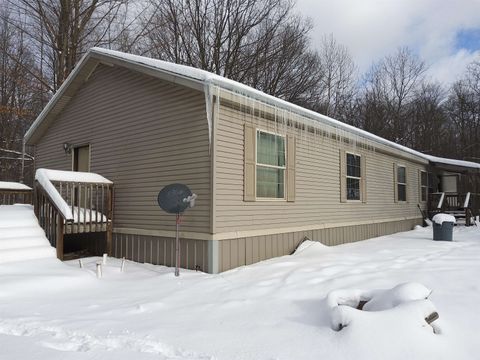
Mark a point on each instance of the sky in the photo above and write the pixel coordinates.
(444, 33)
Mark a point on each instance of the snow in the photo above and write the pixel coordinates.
(81, 215)
(276, 309)
(441, 218)
(43, 177)
(7, 185)
(21, 238)
(461, 163)
(71, 176)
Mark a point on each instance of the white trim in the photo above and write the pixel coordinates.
(284, 168)
(423, 186)
(258, 232)
(353, 177)
(400, 183)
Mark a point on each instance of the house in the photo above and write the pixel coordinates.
(267, 173)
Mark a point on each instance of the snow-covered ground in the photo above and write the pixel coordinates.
(277, 309)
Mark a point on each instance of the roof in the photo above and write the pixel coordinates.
(201, 80)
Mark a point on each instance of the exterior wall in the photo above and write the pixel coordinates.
(245, 251)
(317, 191)
(143, 133)
(161, 250)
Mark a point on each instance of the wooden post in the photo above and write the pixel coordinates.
(109, 220)
(59, 243)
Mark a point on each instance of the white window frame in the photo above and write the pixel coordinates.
(353, 177)
(423, 188)
(284, 168)
(404, 184)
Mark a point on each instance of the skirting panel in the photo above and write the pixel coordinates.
(228, 254)
(161, 250)
(249, 250)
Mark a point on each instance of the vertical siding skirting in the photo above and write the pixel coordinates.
(161, 251)
(216, 256)
(244, 251)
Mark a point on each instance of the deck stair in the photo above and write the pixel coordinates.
(21, 237)
(65, 203)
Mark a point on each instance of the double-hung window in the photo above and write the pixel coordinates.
(270, 165)
(423, 185)
(354, 176)
(401, 183)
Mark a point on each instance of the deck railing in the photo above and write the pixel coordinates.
(11, 196)
(461, 205)
(15, 193)
(75, 208)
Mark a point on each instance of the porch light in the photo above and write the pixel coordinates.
(67, 148)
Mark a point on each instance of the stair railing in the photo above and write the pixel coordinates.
(52, 216)
(15, 196)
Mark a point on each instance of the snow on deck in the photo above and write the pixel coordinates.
(9, 185)
(276, 309)
(21, 238)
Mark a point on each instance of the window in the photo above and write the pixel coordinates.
(270, 165)
(353, 176)
(402, 183)
(423, 185)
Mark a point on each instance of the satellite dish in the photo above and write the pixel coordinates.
(176, 198)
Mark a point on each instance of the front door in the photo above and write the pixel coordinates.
(81, 162)
(81, 158)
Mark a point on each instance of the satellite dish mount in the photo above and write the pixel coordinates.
(175, 199)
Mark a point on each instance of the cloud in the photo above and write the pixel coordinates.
(372, 29)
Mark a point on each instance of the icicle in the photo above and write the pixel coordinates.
(208, 108)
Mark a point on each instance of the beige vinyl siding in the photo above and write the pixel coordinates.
(143, 133)
(317, 193)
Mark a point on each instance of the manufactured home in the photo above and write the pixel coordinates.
(267, 173)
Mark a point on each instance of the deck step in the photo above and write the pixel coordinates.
(15, 242)
(17, 232)
(27, 253)
(21, 237)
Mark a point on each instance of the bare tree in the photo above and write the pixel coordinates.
(20, 96)
(432, 129)
(338, 81)
(391, 85)
(257, 42)
(61, 31)
(463, 109)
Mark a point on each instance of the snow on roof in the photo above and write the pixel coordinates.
(209, 79)
(7, 185)
(454, 162)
